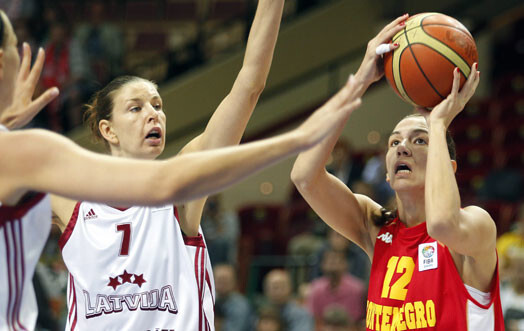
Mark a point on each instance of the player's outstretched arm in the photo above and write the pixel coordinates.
(330, 198)
(47, 162)
(24, 108)
(228, 122)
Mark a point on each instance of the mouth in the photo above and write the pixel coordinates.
(154, 135)
(402, 168)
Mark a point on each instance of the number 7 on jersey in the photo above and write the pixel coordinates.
(126, 238)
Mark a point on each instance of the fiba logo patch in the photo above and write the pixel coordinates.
(428, 251)
(427, 256)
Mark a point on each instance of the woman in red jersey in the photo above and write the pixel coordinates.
(41, 161)
(434, 264)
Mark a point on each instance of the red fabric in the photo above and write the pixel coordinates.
(438, 294)
(11, 213)
(56, 66)
(69, 228)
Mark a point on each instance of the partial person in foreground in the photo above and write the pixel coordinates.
(35, 161)
(434, 263)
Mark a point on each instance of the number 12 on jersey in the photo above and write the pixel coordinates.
(401, 265)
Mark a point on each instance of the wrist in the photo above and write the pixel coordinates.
(437, 125)
(361, 83)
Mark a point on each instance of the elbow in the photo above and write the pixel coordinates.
(252, 82)
(441, 226)
(301, 179)
(255, 90)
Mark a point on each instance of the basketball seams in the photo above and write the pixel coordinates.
(420, 68)
(397, 75)
(398, 35)
(444, 56)
(462, 66)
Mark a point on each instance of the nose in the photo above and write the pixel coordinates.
(403, 149)
(152, 114)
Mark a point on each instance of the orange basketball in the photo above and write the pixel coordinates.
(430, 46)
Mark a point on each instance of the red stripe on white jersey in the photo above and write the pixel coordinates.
(69, 228)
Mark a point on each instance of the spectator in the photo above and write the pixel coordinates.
(102, 43)
(512, 292)
(269, 320)
(374, 174)
(357, 261)
(234, 306)
(336, 288)
(342, 165)
(502, 182)
(511, 240)
(222, 229)
(278, 291)
(337, 319)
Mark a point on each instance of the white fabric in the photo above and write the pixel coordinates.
(482, 297)
(478, 317)
(169, 297)
(3, 128)
(27, 235)
(383, 49)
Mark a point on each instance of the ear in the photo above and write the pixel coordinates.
(387, 177)
(1, 64)
(106, 130)
(454, 165)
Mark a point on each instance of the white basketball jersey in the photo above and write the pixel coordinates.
(132, 269)
(24, 229)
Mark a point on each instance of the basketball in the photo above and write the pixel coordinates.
(431, 45)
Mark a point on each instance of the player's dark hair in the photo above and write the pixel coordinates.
(100, 107)
(2, 28)
(388, 215)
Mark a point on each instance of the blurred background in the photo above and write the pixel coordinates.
(272, 255)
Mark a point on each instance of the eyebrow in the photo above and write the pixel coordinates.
(416, 131)
(138, 99)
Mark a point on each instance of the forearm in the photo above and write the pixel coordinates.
(312, 163)
(209, 172)
(262, 39)
(228, 123)
(441, 191)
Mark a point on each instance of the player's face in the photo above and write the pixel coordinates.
(407, 154)
(138, 121)
(10, 61)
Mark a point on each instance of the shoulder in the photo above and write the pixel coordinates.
(480, 217)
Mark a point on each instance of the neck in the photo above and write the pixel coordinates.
(334, 281)
(411, 207)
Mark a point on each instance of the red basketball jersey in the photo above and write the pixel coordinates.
(414, 285)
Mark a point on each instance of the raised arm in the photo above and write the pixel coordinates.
(460, 229)
(347, 213)
(41, 161)
(329, 197)
(229, 120)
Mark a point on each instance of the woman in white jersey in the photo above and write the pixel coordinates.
(434, 264)
(40, 161)
(127, 115)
